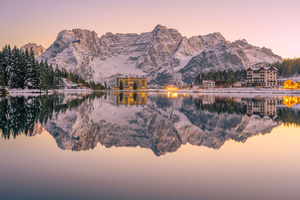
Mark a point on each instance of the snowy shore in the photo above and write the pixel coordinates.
(233, 90)
(206, 91)
(35, 91)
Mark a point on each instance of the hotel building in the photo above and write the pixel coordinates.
(264, 77)
(128, 82)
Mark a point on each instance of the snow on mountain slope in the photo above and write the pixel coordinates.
(163, 55)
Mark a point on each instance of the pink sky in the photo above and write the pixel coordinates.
(273, 24)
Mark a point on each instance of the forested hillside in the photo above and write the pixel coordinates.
(20, 70)
(289, 67)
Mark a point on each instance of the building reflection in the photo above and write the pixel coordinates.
(131, 98)
(262, 107)
(290, 101)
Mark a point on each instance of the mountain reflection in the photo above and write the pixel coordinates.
(160, 122)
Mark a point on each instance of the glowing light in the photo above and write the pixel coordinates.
(290, 101)
(172, 88)
(175, 95)
(172, 94)
(289, 84)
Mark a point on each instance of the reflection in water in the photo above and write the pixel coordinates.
(262, 107)
(131, 98)
(290, 101)
(167, 122)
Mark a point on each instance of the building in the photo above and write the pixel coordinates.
(128, 82)
(262, 107)
(208, 100)
(289, 84)
(281, 81)
(290, 101)
(131, 98)
(208, 84)
(221, 84)
(263, 77)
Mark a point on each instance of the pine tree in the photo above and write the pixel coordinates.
(51, 78)
(46, 77)
(58, 80)
(6, 62)
(17, 69)
(79, 81)
(69, 77)
(28, 68)
(134, 85)
(121, 85)
(2, 80)
(35, 74)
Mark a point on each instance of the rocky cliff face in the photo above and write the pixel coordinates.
(162, 126)
(37, 50)
(163, 55)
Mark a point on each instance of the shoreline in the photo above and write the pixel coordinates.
(254, 91)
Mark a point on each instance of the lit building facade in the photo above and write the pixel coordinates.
(290, 101)
(289, 84)
(128, 82)
(264, 76)
(131, 98)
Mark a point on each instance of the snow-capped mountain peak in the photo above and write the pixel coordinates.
(163, 55)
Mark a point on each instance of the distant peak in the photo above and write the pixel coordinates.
(243, 41)
(37, 49)
(159, 27)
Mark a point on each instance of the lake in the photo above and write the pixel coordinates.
(150, 146)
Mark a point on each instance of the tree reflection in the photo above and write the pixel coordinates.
(19, 114)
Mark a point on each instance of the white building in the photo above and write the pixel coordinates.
(208, 84)
(264, 76)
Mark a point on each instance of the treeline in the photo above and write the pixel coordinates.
(224, 106)
(289, 67)
(230, 76)
(70, 76)
(20, 70)
(18, 115)
(288, 116)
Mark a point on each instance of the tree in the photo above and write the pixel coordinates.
(134, 97)
(51, 78)
(197, 79)
(79, 81)
(134, 85)
(69, 77)
(31, 76)
(2, 80)
(58, 80)
(6, 58)
(18, 72)
(121, 85)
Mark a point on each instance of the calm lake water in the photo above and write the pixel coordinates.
(150, 146)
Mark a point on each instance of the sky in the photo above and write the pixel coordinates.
(265, 23)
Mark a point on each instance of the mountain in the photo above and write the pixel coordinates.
(37, 50)
(163, 55)
(163, 125)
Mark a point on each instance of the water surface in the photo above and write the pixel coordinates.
(149, 146)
